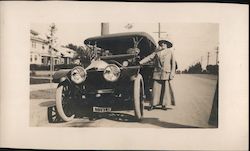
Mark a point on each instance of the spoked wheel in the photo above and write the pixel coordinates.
(53, 115)
(64, 103)
(138, 97)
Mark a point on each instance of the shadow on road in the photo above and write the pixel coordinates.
(213, 119)
(47, 104)
(157, 108)
(81, 113)
(120, 117)
(157, 122)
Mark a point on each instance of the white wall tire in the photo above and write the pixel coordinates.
(138, 99)
(62, 100)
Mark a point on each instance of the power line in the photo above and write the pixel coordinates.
(217, 55)
(51, 38)
(159, 31)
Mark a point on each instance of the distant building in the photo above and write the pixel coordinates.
(67, 55)
(40, 53)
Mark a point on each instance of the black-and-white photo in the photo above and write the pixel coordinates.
(156, 75)
(124, 75)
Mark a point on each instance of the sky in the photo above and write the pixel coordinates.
(191, 41)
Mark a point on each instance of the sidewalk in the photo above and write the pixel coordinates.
(45, 86)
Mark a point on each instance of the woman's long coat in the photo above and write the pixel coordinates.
(164, 65)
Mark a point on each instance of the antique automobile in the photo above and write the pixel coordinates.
(113, 75)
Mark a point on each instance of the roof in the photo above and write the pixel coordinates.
(66, 52)
(34, 32)
(37, 37)
(121, 42)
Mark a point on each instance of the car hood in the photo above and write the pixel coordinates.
(98, 65)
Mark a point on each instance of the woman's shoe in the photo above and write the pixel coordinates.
(164, 107)
(150, 108)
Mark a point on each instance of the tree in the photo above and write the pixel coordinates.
(51, 35)
(212, 69)
(195, 68)
(83, 54)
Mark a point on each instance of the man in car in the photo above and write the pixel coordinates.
(164, 71)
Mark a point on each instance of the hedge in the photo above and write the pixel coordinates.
(35, 67)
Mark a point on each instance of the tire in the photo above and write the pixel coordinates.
(64, 102)
(138, 99)
(53, 116)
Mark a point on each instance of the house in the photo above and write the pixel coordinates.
(67, 55)
(40, 52)
(38, 49)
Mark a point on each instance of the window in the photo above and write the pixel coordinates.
(43, 61)
(30, 58)
(33, 44)
(35, 57)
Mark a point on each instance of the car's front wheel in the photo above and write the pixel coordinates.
(138, 97)
(64, 104)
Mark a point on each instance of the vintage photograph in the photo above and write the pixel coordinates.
(112, 74)
(124, 76)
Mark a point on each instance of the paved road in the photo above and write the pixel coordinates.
(194, 96)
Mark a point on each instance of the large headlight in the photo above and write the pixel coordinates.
(78, 74)
(112, 72)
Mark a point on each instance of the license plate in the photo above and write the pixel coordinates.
(101, 109)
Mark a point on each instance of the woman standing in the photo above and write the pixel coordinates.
(164, 71)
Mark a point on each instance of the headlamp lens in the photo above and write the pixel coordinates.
(78, 74)
(112, 72)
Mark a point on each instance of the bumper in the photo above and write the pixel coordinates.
(105, 91)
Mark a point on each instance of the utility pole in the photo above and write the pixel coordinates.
(51, 40)
(208, 58)
(217, 56)
(159, 31)
(201, 62)
(104, 28)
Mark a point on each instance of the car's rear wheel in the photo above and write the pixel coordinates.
(138, 97)
(64, 104)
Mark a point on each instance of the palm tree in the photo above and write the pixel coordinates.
(82, 53)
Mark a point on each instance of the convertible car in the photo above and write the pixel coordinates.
(113, 75)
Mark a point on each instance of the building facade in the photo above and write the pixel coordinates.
(40, 52)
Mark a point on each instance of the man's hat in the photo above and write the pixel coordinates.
(169, 44)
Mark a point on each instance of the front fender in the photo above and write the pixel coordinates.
(59, 74)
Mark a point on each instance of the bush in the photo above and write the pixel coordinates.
(39, 67)
(38, 81)
(195, 68)
(35, 67)
(64, 66)
(213, 69)
(32, 73)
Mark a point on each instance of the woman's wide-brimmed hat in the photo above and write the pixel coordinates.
(169, 44)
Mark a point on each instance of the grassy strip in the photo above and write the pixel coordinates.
(43, 94)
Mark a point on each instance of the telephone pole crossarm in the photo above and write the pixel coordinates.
(159, 31)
